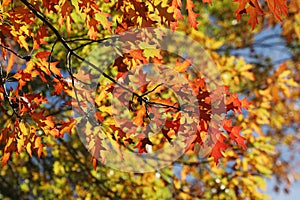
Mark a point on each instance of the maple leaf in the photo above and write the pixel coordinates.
(235, 136)
(95, 162)
(38, 145)
(43, 55)
(97, 147)
(241, 7)
(254, 12)
(164, 13)
(39, 38)
(10, 63)
(245, 103)
(182, 66)
(28, 149)
(67, 126)
(227, 125)
(138, 55)
(141, 146)
(278, 7)
(192, 17)
(176, 8)
(218, 148)
(140, 114)
(207, 1)
(5, 158)
(6, 2)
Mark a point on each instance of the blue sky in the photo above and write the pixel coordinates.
(277, 53)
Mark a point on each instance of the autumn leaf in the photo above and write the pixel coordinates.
(235, 136)
(10, 63)
(182, 66)
(219, 148)
(176, 8)
(67, 127)
(43, 55)
(278, 7)
(141, 146)
(207, 1)
(191, 14)
(5, 158)
(254, 12)
(164, 13)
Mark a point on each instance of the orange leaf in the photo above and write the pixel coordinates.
(67, 127)
(235, 136)
(141, 146)
(254, 12)
(43, 55)
(94, 162)
(6, 2)
(138, 120)
(138, 54)
(278, 7)
(227, 125)
(207, 1)
(10, 63)
(253, 9)
(4, 53)
(218, 148)
(182, 66)
(5, 158)
(191, 15)
(40, 151)
(176, 5)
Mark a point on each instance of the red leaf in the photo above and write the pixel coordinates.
(253, 9)
(141, 146)
(94, 162)
(278, 7)
(254, 12)
(207, 1)
(191, 15)
(245, 103)
(218, 148)
(235, 136)
(40, 36)
(42, 55)
(176, 5)
(227, 125)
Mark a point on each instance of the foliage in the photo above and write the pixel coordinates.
(44, 44)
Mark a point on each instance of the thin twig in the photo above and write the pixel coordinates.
(6, 96)
(26, 58)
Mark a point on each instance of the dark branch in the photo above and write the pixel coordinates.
(26, 58)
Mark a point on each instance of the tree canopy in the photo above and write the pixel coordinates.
(149, 99)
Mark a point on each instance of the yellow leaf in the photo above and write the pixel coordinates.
(23, 128)
(20, 143)
(22, 42)
(28, 148)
